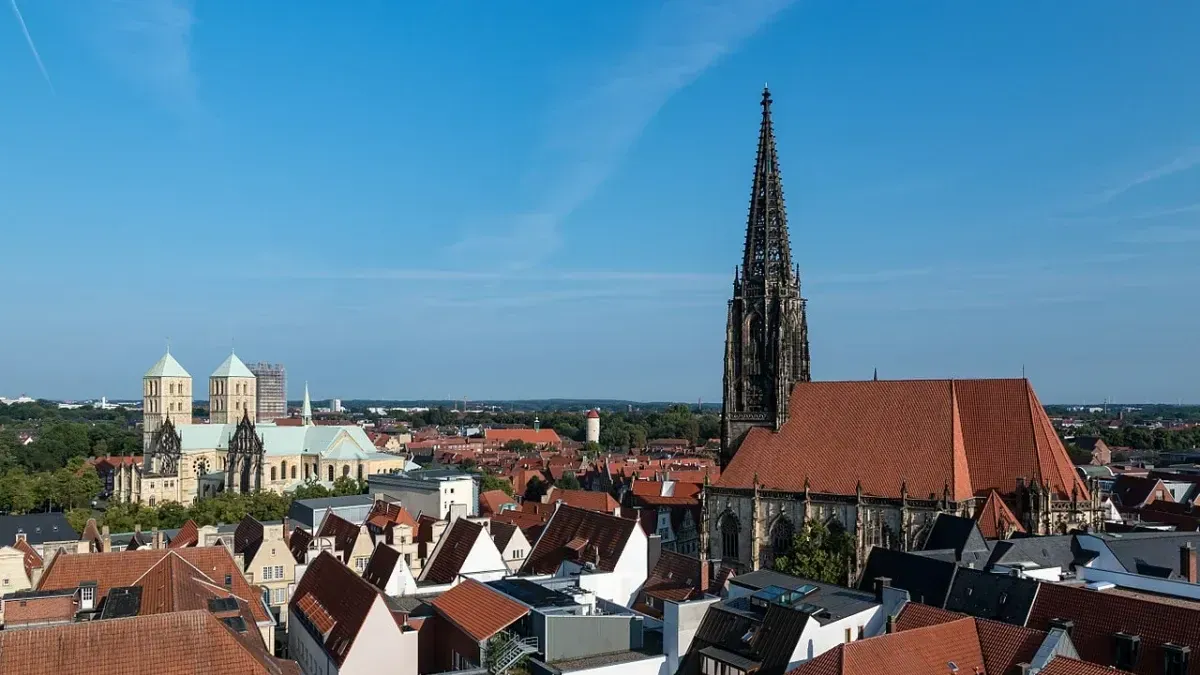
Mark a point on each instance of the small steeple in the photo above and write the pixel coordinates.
(875, 377)
(306, 409)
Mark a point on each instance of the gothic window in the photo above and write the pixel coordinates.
(171, 388)
(346, 470)
(294, 472)
(782, 534)
(283, 470)
(330, 473)
(729, 536)
(274, 475)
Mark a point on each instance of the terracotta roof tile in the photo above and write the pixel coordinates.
(211, 564)
(335, 601)
(914, 652)
(604, 536)
(384, 513)
(530, 523)
(996, 520)
(1099, 615)
(32, 559)
(534, 436)
(969, 436)
(502, 533)
(584, 499)
(165, 644)
(493, 501)
(676, 577)
(451, 552)
(478, 610)
(1002, 645)
(1061, 665)
(188, 535)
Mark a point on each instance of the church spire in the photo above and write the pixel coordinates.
(306, 409)
(767, 260)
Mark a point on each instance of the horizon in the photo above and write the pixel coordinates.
(511, 203)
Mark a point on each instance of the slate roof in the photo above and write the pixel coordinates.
(344, 533)
(478, 610)
(336, 601)
(1099, 615)
(956, 533)
(1050, 551)
(380, 566)
(38, 528)
(298, 541)
(995, 518)
(967, 436)
(451, 552)
(987, 595)
(838, 602)
(165, 644)
(209, 564)
(1151, 553)
(604, 537)
(926, 579)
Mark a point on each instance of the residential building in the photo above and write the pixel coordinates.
(468, 617)
(200, 640)
(45, 533)
(607, 554)
(352, 544)
(670, 509)
(465, 550)
(270, 380)
(584, 499)
(391, 524)
(511, 541)
(267, 561)
(495, 501)
(439, 493)
(1094, 445)
(388, 572)
(343, 625)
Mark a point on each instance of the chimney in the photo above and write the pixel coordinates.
(157, 539)
(105, 539)
(653, 552)
(1023, 669)
(1187, 562)
(891, 624)
(880, 584)
(705, 576)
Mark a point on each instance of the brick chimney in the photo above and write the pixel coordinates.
(705, 575)
(105, 539)
(1187, 562)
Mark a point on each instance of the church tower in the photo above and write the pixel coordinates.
(231, 393)
(166, 395)
(766, 335)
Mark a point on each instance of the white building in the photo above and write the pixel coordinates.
(443, 494)
(592, 434)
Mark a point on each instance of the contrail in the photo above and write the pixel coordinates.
(32, 47)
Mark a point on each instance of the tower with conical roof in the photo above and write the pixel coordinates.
(166, 395)
(766, 336)
(232, 393)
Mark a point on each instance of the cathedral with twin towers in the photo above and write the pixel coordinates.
(877, 459)
(185, 458)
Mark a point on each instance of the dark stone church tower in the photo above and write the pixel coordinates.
(766, 338)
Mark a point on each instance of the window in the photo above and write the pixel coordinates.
(273, 476)
(848, 635)
(1175, 659)
(360, 564)
(268, 573)
(294, 472)
(360, 472)
(729, 536)
(346, 470)
(87, 596)
(278, 570)
(782, 534)
(1128, 649)
(5, 581)
(862, 632)
(330, 473)
(278, 596)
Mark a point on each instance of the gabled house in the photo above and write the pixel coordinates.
(392, 524)
(340, 624)
(511, 542)
(495, 501)
(267, 561)
(1136, 492)
(466, 549)
(387, 571)
(351, 543)
(608, 554)
(468, 617)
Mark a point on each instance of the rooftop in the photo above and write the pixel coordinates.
(532, 594)
(826, 602)
(478, 610)
(167, 366)
(232, 367)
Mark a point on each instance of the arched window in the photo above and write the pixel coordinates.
(360, 471)
(171, 388)
(781, 535)
(345, 470)
(294, 472)
(274, 475)
(729, 537)
(283, 470)
(330, 473)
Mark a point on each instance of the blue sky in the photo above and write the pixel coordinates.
(543, 199)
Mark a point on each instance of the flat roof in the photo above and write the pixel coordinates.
(837, 602)
(532, 594)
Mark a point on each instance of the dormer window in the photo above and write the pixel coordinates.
(1175, 659)
(1127, 650)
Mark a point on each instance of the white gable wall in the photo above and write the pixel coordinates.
(381, 647)
(816, 639)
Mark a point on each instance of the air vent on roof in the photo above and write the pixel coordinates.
(1100, 585)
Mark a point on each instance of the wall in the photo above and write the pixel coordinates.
(304, 649)
(484, 557)
(680, 623)
(516, 551)
(1128, 580)
(449, 639)
(1105, 559)
(816, 639)
(274, 552)
(631, 568)
(459, 492)
(381, 648)
(574, 637)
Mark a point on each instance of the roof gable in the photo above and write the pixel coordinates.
(581, 536)
(336, 601)
(166, 366)
(452, 550)
(478, 610)
(232, 367)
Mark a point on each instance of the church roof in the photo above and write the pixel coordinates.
(167, 366)
(232, 367)
(965, 436)
(331, 442)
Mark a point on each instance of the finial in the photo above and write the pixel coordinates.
(766, 99)
(875, 377)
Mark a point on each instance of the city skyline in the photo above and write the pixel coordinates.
(536, 212)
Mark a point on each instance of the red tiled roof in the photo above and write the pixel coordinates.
(1061, 665)
(165, 644)
(917, 615)
(676, 577)
(995, 518)
(921, 651)
(385, 512)
(451, 552)
(604, 536)
(534, 436)
(493, 501)
(1099, 615)
(584, 499)
(32, 559)
(126, 568)
(24, 611)
(188, 535)
(593, 414)
(478, 610)
(530, 523)
(1003, 645)
(344, 533)
(969, 436)
(336, 601)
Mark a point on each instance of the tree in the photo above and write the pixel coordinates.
(591, 450)
(17, 492)
(490, 481)
(171, 515)
(518, 445)
(346, 485)
(535, 489)
(568, 482)
(310, 490)
(820, 553)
